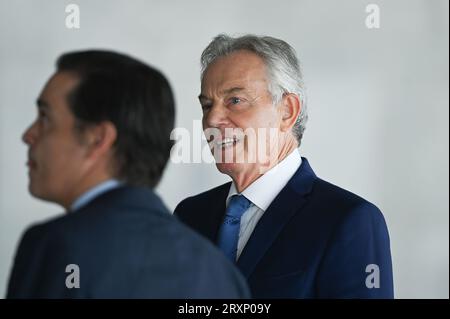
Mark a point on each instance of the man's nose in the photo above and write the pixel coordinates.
(29, 136)
(217, 116)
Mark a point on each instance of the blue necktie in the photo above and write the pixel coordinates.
(229, 231)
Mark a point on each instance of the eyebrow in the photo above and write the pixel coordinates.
(225, 92)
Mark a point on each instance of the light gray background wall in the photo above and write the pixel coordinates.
(378, 103)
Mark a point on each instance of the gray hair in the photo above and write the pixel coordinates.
(283, 67)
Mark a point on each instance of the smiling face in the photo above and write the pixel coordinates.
(56, 155)
(235, 95)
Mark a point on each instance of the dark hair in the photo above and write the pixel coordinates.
(133, 96)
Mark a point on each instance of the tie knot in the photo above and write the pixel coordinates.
(237, 206)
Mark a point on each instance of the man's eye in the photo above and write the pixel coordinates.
(235, 100)
(205, 106)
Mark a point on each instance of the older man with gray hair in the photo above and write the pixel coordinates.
(292, 234)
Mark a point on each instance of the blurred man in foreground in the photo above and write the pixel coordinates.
(98, 146)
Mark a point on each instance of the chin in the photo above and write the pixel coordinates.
(34, 192)
(228, 168)
(37, 191)
(32, 188)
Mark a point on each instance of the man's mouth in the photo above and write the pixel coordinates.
(226, 142)
(31, 163)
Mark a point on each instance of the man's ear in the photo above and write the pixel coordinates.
(290, 109)
(100, 138)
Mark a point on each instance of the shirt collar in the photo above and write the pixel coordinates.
(94, 192)
(263, 191)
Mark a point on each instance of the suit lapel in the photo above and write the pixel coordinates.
(288, 203)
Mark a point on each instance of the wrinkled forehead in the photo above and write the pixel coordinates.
(239, 69)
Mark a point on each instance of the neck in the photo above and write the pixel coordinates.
(82, 186)
(244, 179)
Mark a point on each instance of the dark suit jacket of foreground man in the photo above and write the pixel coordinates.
(126, 245)
(316, 240)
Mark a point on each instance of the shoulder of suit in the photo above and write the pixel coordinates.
(344, 202)
(117, 201)
(40, 232)
(336, 193)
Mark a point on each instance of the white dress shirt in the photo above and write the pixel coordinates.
(261, 194)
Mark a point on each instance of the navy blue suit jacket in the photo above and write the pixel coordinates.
(126, 245)
(315, 240)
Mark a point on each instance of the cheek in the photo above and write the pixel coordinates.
(259, 123)
(265, 125)
(273, 118)
(57, 157)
